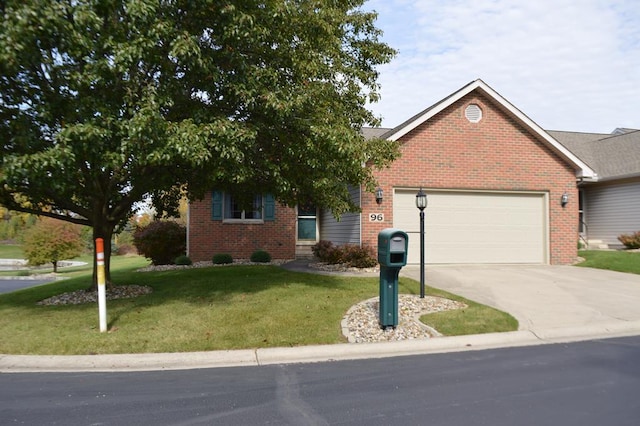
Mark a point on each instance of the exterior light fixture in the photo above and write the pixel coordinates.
(564, 199)
(421, 204)
(379, 194)
(421, 200)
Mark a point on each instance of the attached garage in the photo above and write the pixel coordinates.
(476, 226)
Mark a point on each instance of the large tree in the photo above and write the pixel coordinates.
(104, 103)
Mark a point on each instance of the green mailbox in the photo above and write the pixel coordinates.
(392, 255)
(392, 247)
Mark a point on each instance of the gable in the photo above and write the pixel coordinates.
(479, 88)
(496, 151)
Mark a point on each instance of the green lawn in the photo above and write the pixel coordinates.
(621, 261)
(11, 251)
(202, 309)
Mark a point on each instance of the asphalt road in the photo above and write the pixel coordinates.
(9, 285)
(587, 383)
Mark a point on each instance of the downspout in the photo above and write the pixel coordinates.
(584, 236)
(188, 223)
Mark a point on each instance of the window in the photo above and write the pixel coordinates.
(232, 209)
(224, 207)
(307, 222)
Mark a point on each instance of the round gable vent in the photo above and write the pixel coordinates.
(473, 113)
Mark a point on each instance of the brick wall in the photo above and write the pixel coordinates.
(449, 152)
(208, 237)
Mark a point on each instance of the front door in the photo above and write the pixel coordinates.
(307, 224)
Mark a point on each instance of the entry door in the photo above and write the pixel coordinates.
(307, 223)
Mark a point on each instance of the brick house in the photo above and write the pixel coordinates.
(495, 183)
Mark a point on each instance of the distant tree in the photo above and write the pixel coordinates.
(106, 103)
(52, 240)
(14, 224)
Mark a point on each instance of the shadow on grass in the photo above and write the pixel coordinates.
(196, 285)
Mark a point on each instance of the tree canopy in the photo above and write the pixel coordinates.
(52, 240)
(105, 102)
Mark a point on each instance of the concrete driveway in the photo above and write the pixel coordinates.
(543, 298)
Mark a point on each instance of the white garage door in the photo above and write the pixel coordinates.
(475, 227)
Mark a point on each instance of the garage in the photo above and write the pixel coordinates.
(475, 226)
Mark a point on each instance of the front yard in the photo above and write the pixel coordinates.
(229, 307)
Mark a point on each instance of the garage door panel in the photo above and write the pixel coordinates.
(467, 227)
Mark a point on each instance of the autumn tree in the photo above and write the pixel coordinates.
(51, 241)
(104, 103)
(14, 224)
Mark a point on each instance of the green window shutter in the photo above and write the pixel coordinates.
(269, 207)
(216, 205)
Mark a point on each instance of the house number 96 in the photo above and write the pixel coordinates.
(376, 217)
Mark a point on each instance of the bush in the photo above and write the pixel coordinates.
(359, 257)
(222, 258)
(183, 260)
(260, 256)
(350, 255)
(124, 249)
(631, 241)
(322, 250)
(52, 240)
(161, 241)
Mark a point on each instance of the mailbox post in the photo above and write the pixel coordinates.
(392, 256)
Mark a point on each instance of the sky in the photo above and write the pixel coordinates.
(569, 65)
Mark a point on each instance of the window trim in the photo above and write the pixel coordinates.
(218, 208)
(227, 200)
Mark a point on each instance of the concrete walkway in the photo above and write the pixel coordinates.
(552, 303)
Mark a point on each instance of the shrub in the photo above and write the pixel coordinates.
(183, 260)
(358, 257)
(161, 241)
(630, 241)
(334, 256)
(222, 258)
(124, 249)
(52, 240)
(351, 255)
(322, 250)
(260, 256)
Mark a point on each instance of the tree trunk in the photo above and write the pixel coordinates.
(104, 231)
(55, 266)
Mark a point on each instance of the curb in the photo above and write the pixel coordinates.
(50, 277)
(310, 354)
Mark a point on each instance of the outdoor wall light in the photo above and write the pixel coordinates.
(564, 199)
(421, 200)
(379, 194)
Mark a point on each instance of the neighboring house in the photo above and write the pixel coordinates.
(610, 206)
(494, 179)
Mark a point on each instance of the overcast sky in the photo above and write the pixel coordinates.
(567, 64)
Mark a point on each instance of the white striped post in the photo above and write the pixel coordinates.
(102, 293)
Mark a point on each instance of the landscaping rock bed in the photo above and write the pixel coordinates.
(361, 323)
(82, 296)
(206, 264)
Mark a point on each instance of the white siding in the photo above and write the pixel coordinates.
(612, 210)
(344, 231)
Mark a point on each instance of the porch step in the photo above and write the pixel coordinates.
(304, 252)
(597, 245)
